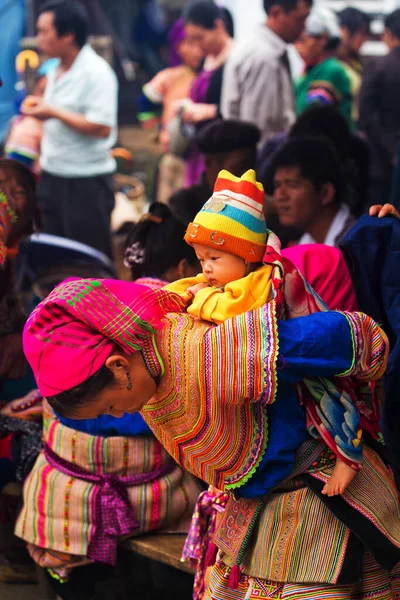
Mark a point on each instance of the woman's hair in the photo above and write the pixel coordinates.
(323, 121)
(156, 244)
(186, 203)
(65, 403)
(354, 20)
(204, 13)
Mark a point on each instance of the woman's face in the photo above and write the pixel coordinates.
(311, 47)
(130, 390)
(191, 54)
(18, 197)
(208, 40)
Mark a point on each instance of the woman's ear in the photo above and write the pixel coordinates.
(182, 268)
(118, 365)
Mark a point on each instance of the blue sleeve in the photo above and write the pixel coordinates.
(107, 426)
(319, 345)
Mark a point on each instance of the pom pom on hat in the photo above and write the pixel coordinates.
(232, 220)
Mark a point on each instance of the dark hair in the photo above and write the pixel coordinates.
(317, 160)
(65, 402)
(186, 203)
(392, 22)
(354, 20)
(332, 44)
(69, 17)
(287, 5)
(226, 135)
(156, 244)
(204, 13)
(323, 121)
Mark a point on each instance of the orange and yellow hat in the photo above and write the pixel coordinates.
(232, 219)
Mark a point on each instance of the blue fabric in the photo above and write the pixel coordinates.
(107, 426)
(372, 250)
(12, 29)
(318, 345)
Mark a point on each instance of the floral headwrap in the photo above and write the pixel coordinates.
(70, 335)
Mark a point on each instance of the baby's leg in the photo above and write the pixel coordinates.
(341, 477)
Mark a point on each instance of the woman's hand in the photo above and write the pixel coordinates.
(195, 289)
(379, 210)
(195, 113)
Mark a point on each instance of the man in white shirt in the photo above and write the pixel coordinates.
(79, 109)
(309, 191)
(257, 85)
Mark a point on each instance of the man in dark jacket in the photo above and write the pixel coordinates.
(380, 110)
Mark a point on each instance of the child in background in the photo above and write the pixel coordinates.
(229, 236)
(25, 137)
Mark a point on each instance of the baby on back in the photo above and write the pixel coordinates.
(229, 236)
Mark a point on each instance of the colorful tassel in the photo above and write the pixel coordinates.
(211, 555)
(234, 577)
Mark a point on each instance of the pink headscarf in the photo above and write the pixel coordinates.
(70, 335)
(326, 271)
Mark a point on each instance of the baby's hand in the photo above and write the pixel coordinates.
(195, 289)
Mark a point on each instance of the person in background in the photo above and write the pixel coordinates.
(186, 203)
(159, 97)
(25, 137)
(212, 28)
(229, 145)
(325, 80)
(19, 215)
(309, 193)
(171, 84)
(354, 28)
(79, 111)
(380, 111)
(257, 84)
(156, 252)
(320, 121)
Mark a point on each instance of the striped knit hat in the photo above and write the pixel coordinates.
(232, 219)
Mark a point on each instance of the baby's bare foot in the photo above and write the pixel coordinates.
(341, 477)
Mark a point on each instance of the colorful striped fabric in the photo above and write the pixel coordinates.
(58, 513)
(296, 526)
(376, 584)
(209, 409)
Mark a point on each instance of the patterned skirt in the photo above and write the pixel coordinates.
(376, 584)
(62, 514)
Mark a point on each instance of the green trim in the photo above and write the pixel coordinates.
(353, 344)
(246, 539)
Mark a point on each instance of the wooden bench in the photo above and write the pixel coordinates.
(166, 549)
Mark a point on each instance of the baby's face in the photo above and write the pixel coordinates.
(220, 268)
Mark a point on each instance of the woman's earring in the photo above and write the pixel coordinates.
(129, 385)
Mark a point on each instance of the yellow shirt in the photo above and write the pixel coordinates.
(216, 305)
